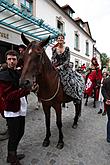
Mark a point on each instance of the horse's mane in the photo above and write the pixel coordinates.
(47, 62)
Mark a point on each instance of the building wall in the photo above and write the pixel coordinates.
(49, 12)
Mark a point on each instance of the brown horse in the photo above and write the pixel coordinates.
(50, 91)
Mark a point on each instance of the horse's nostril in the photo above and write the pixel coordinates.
(25, 83)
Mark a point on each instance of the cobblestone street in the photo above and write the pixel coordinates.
(85, 145)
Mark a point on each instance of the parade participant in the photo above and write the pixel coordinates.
(101, 99)
(83, 67)
(88, 71)
(13, 105)
(72, 81)
(94, 63)
(94, 79)
(106, 95)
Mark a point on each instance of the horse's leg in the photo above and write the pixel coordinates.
(46, 141)
(77, 114)
(86, 100)
(63, 105)
(58, 110)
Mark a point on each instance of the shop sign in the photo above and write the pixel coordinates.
(4, 35)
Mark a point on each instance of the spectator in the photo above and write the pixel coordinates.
(106, 95)
(101, 99)
(83, 67)
(20, 63)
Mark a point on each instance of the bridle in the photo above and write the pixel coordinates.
(37, 85)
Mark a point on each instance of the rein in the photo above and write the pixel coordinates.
(49, 99)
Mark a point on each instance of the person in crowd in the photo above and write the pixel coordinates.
(101, 99)
(20, 63)
(94, 79)
(13, 105)
(96, 68)
(88, 71)
(94, 63)
(83, 67)
(3, 66)
(72, 81)
(4, 133)
(106, 95)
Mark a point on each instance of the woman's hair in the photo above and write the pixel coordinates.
(56, 45)
(96, 63)
(60, 35)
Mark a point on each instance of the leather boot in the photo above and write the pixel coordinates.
(12, 158)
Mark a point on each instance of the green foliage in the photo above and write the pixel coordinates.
(104, 60)
(109, 69)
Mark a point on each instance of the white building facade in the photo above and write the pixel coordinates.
(59, 19)
(51, 12)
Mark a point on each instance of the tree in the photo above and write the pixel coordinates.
(104, 60)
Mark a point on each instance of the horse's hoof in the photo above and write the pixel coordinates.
(80, 115)
(60, 145)
(46, 143)
(74, 126)
(94, 106)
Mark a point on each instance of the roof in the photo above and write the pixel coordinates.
(12, 17)
(71, 19)
(85, 25)
(67, 7)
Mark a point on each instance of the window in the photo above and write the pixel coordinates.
(87, 48)
(60, 26)
(70, 13)
(76, 43)
(26, 5)
(76, 64)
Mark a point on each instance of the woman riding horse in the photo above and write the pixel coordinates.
(73, 82)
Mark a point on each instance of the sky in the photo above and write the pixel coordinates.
(97, 14)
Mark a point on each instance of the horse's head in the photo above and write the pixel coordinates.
(33, 60)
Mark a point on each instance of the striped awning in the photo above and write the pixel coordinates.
(11, 16)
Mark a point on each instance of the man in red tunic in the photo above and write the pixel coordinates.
(13, 105)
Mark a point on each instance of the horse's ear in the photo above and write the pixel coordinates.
(45, 42)
(24, 39)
